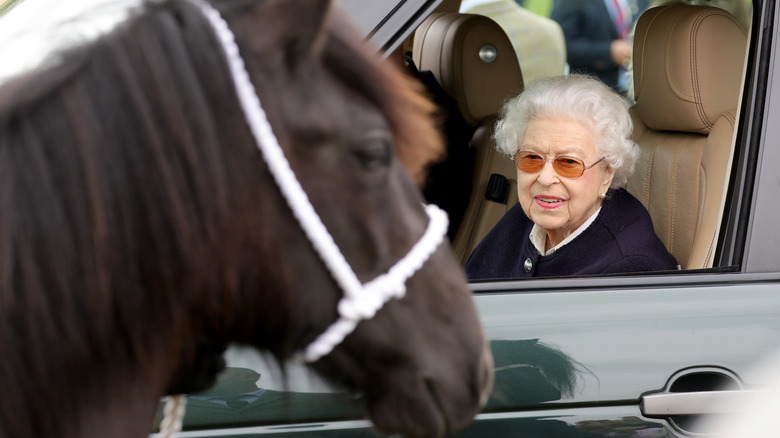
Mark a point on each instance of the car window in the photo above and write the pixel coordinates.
(696, 255)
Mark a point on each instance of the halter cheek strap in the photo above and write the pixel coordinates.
(360, 301)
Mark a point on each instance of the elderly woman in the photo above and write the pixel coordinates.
(569, 138)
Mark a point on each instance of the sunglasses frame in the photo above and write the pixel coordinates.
(554, 160)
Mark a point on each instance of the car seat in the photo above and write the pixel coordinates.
(688, 65)
(474, 62)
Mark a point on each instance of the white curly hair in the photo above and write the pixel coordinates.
(578, 98)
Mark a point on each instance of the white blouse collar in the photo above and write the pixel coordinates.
(538, 236)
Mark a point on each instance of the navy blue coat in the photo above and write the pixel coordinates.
(621, 239)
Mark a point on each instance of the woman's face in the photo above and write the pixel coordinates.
(557, 204)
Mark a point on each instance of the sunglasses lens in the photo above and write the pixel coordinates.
(529, 162)
(569, 167)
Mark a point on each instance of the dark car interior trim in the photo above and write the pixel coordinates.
(739, 203)
(683, 279)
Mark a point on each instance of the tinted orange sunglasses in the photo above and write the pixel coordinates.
(567, 167)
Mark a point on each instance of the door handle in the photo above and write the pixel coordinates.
(667, 404)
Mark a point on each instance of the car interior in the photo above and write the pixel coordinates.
(688, 68)
(442, 45)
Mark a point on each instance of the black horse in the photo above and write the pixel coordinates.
(141, 231)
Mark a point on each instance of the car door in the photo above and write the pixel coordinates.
(618, 357)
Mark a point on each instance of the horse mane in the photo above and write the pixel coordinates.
(125, 171)
(403, 99)
(93, 188)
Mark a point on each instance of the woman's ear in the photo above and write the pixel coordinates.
(606, 180)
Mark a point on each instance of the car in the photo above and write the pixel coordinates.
(632, 355)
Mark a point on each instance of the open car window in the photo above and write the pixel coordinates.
(688, 189)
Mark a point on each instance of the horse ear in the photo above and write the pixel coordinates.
(306, 30)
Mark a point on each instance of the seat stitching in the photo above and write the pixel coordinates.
(638, 88)
(698, 103)
(649, 173)
(672, 203)
(668, 65)
(698, 198)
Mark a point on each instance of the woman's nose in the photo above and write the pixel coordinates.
(547, 175)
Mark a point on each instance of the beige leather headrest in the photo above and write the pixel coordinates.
(473, 60)
(688, 63)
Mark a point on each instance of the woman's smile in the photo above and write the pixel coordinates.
(549, 202)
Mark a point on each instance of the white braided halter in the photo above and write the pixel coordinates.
(360, 301)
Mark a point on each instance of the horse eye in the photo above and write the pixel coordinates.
(374, 153)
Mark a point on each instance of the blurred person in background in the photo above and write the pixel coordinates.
(538, 41)
(597, 36)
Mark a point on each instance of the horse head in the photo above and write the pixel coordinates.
(353, 135)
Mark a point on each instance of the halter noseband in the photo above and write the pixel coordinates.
(360, 301)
